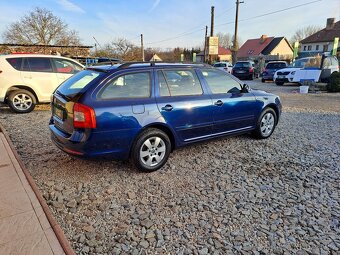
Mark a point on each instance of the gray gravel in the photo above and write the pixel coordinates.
(227, 196)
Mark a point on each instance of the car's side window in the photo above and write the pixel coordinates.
(65, 66)
(40, 64)
(15, 62)
(163, 86)
(132, 85)
(220, 82)
(179, 83)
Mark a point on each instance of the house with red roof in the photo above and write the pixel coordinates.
(223, 55)
(271, 48)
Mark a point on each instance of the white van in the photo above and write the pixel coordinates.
(29, 79)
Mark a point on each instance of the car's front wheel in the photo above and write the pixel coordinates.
(21, 101)
(263, 80)
(266, 124)
(279, 83)
(151, 150)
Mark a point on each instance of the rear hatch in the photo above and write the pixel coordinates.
(67, 95)
(271, 68)
(242, 67)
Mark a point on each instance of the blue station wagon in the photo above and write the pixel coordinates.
(143, 111)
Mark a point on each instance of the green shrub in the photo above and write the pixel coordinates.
(334, 82)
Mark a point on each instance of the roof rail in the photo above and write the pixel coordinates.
(153, 63)
(127, 64)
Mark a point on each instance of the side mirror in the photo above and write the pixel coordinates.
(245, 88)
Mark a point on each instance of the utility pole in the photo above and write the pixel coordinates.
(235, 46)
(211, 29)
(212, 21)
(205, 44)
(142, 46)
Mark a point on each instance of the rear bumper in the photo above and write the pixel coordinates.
(242, 75)
(268, 77)
(88, 144)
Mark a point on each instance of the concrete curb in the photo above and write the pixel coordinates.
(55, 226)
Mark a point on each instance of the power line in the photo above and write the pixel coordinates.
(273, 12)
(232, 22)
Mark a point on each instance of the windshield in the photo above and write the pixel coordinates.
(307, 62)
(275, 65)
(220, 65)
(242, 64)
(71, 87)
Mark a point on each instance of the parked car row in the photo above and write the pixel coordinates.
(241, 69)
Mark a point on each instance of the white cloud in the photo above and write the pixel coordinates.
(69, 6)
(155, 4)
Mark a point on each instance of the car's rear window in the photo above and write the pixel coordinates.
(15, 62)
(220, 65)
(77, 82)
(242, 64)
(275, 65)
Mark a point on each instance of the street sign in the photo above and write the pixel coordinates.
(213, 45)
(296, 49)
(335, 46)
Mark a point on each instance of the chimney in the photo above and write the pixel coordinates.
(330, 23)
(263, 38)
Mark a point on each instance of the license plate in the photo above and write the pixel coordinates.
(281, 76)
(241, 71)
(59, 113)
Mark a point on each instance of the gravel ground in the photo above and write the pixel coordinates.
(228, 196)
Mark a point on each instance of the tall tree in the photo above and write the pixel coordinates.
(40, 27)
(304, 32)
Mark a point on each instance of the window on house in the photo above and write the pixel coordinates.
(304, 48)
(325, 47)
(309, 47)
(317, 47)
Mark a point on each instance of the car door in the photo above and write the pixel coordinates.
(37, 73)
(184, 104)
(65, 68)
(233, 110)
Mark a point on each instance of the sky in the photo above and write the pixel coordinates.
(174, 23)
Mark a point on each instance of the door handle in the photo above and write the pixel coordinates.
(167, 108)
(218, 103)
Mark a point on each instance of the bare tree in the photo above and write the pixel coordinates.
(40, 27)
(225, 40)
(304, 32)
(120, 48)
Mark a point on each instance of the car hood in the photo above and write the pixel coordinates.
(288, 69)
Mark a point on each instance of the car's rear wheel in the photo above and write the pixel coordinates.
(263, 80)
(279, 83)
(265, 124)
(21, 101)
(151, 150)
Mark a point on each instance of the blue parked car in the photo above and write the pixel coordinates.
(143, 111)
(271, 68)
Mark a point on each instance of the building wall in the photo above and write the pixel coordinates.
(323, 47)
(225, 57)
(282, 49)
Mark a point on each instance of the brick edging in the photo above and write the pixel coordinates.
(54, 224)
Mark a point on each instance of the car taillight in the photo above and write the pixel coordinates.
(83, 116)
(251, 70)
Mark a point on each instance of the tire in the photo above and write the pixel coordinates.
(279, 83)
(266, 124)
(21, 101)
(263, 80)
(155, 156)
